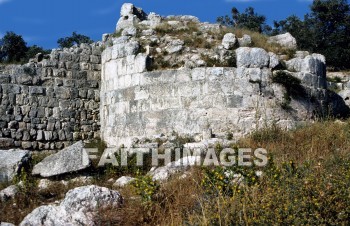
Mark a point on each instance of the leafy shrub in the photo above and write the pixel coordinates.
(75, 38)
(292, 84)
(13, 48)
(146, 187)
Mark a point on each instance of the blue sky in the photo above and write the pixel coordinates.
(42, 22)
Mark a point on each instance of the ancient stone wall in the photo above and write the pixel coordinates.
(48, 103)
(175, 75)
(137, 104)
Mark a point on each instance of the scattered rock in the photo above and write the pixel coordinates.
(6, 224)
(181, 165)
(245, 41)
(70, 159)
(174, 46)
(285, 40)
(82, 180)
(44, 184)
(129, 31)
(229, 41)
(78, 207)
(8, 193)
(123, 181)
(11, 162)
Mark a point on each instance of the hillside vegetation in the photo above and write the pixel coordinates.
(306, 181)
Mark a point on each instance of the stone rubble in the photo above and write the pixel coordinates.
(71, 159)
(8, 193)
(285, 40)
(123, 181)
(79, 207)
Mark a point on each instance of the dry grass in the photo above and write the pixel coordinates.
(260, 40)
(170, 206)
(306, 182)
(313, 143)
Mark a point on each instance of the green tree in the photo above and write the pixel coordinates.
(248, 20)
(33, 51)
(75, 38)
(325, 30)
(12, 48)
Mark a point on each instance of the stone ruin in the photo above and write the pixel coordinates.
(153, 80)
(160, 77)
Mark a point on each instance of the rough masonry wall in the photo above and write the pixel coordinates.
(49, 103)
(137, 104)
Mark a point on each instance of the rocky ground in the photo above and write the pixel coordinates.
(306, 180)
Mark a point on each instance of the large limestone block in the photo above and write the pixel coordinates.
(285, 40)
(79, 207)
(70, 159)
(314, 64)
(11, 162)
(229, 41)
(252, 57)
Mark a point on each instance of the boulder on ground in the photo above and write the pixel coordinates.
(79, 207)
(6, 224)
(70, 159)
(285, 40)
(11, 162)
(8, 193)
(123, 181)
(165, 172)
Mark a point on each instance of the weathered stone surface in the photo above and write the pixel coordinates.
(129, 31)
(245, 41)
(285, 40)
(34, 94)
(70, 159)
(6, 142)
(123, 181)
(11, 162)
(181, 165)
(129, 16)
(78, 207)
(8, 193)
(252, 57)
(44, 184)
(229, 41)
(175, 46)
(274, 61)
(6, 224)
(314, 64)
(154, 20)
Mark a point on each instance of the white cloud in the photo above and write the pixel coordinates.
(4, 1)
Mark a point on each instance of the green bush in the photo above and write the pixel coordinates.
(146, 187)
(292, 84)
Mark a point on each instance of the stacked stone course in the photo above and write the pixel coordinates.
(47, 104)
